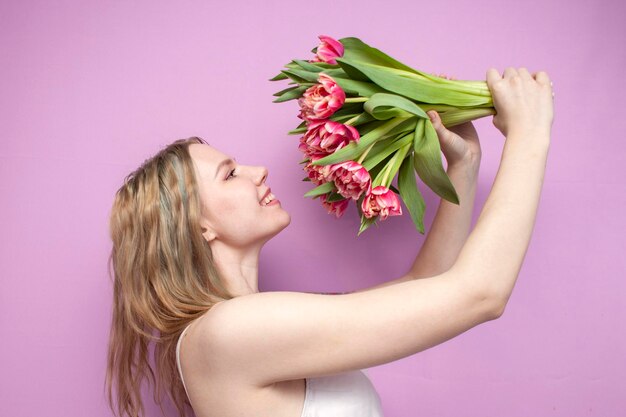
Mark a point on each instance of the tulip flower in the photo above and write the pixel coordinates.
(327, 136)
(382, 202)
(321, 100)
(364, 122)
(335, 207)
(350, 178)
(328, 50)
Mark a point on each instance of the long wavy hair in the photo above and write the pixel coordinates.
(163, 274)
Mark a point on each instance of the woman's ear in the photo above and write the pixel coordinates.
(207, 232)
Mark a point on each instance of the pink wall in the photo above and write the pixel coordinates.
(91, 89)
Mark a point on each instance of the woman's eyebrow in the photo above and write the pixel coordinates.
(221, 164)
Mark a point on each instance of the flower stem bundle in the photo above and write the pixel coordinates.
(364, 121)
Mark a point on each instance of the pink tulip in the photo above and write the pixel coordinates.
(381, 201)
(321, 100)
(350, 178)
(327, 136)
(335, 207)
(316, 173)
(311, 152)
(328, 50)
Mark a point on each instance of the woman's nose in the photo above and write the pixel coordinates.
(262, 174)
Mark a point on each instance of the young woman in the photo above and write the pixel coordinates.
(187, 230)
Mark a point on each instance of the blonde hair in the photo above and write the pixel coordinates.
(163, 276)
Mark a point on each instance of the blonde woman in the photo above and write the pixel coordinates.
(187, 230)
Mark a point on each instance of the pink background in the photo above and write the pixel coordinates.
(91, 89)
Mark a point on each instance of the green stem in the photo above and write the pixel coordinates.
(364, 154)
(356, 99)
(456, 117)
(393, 166)
(388, 169)
(350, 121)
(479, 88)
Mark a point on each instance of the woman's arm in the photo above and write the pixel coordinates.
(451, 225)
(324, 335)
(461, 147)
(449, 229)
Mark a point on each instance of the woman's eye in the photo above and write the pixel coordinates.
(231, 174)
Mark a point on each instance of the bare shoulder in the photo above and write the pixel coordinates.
(276, 336)
(213, 382)
(199, 349)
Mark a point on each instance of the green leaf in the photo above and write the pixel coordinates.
(321, 189)
(297, 131)
(336, 72)
(334, 197)
(340, 118)
(300, 74)
(375, 156)
(410, 194)
(383, 103)
(407, 125)
(385, 112)
(291, 94)
(363, 89)
(307, 66)
(280, 76)
(281, 92)
(427, 162)
(394, 189)
(356, 49)
(353, 72)
(365, 223)
(363, 118)
(323, 65)
(349, 108)
(415, 87)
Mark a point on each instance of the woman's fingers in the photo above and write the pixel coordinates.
(542, 78)
(523, 72)
(492, 76)
(509, 72)
(520, 100)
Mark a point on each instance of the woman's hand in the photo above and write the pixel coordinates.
(459, 144)
(523, 101)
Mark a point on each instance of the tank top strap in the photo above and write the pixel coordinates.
(180, 369)
(180, 338)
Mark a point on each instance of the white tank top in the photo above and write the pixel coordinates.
(348, 394)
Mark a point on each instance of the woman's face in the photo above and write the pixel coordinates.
(232, 196)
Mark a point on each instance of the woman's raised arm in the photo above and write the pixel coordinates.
(267, 337)
(502, 233)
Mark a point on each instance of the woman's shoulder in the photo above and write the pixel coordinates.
(207, 317)
(224, 312)
(198, 336)
(213, 330)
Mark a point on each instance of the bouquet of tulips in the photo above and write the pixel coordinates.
(364, 121)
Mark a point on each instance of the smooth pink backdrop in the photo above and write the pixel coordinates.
(91, 89)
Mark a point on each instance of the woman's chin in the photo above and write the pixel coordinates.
(287, 220)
